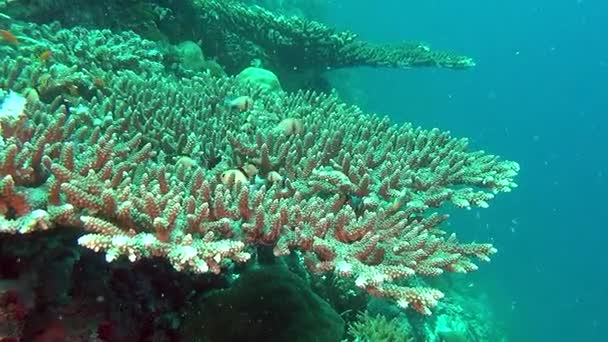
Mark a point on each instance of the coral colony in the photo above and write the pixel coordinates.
(149, 161)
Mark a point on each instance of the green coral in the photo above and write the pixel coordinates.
(260, 78)
(378, 328)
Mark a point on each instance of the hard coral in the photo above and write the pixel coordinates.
(258, 77)
(355, 194)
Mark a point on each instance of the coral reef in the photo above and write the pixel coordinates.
(301, 44)
(160, 166)
(234, 34)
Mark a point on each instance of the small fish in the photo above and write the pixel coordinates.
(99, 82)
(291, 126)
(9, 37)
(45, 55)
(241, 103)
(234, 177)
(249, 169)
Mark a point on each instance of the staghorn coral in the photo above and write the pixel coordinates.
(139, 168)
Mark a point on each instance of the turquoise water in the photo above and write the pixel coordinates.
(538, 94)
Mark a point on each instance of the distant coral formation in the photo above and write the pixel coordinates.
(234, 34)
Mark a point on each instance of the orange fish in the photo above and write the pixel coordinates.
(9, 37)
(45, 55)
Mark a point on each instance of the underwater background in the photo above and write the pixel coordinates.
(537, 95)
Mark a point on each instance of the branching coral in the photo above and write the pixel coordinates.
(161, 166)
(237, 33)
(302, 43)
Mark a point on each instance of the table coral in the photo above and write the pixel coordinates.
(353, 193)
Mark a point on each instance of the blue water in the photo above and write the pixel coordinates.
(539, 95)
